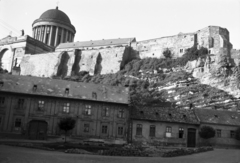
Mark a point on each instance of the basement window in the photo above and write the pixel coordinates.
(170, 115)
(184, 116)
(157, 114)
(153, 54)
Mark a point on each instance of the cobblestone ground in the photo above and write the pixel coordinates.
(9, 154)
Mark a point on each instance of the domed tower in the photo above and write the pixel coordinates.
(53, 27)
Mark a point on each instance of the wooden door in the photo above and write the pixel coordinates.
(191, 137)
(37, 130)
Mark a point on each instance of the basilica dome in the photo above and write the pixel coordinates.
(55, 14)
(53, 27)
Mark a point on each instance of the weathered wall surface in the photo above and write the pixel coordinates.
(42, 65)
(155, 47)
(214, 38)
(104, 61)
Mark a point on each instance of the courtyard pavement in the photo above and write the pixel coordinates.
(10, 154)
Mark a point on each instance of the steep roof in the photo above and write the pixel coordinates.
(94, 43)
(218, 116)
(164, 114)
(57, 88)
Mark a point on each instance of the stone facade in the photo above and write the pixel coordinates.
(12, 49)
(213, 38)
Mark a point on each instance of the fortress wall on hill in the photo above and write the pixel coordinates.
(154, 48)
(104, 61)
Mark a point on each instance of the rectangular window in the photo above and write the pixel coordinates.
(120, 113)
(139, 129)
(20, 103)
(168, 132)
(120, 130)
(168, 129)
(2, 101)
(86, 127)
(152, 130)
(232, 134)
(218, 133)
(40, 105)
(105, 112)
(181, 132)
(66, 107)
(104, 129)
(181, 50)
(87, 110)
(18, 123)
(1, 120)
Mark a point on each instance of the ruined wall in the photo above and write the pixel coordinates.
(215, 39)
(155, 47)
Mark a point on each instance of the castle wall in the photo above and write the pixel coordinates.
(104, 61)
(155, 47)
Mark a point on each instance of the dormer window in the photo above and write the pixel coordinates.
(67, 91)
(94, 95)
(1, 84)
(34, 88)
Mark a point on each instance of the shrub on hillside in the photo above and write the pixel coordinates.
(167, 53)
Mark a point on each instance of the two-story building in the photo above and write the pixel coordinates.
(34, 106)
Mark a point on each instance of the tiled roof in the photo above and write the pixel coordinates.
(218, 116)
(57, 88)
(95, 43)
(164, 114)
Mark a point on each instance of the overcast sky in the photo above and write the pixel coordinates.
(143, 19)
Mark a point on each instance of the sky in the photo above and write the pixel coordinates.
(142, 19)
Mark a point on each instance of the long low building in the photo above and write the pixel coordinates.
(33, 106)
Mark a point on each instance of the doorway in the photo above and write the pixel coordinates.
(191, 138)
(37, 130)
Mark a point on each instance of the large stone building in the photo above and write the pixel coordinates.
(33, 106)
(53, 31)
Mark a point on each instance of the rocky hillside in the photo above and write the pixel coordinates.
(197, 79)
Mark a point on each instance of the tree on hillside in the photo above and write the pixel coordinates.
(66, 124)
(167, 53)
